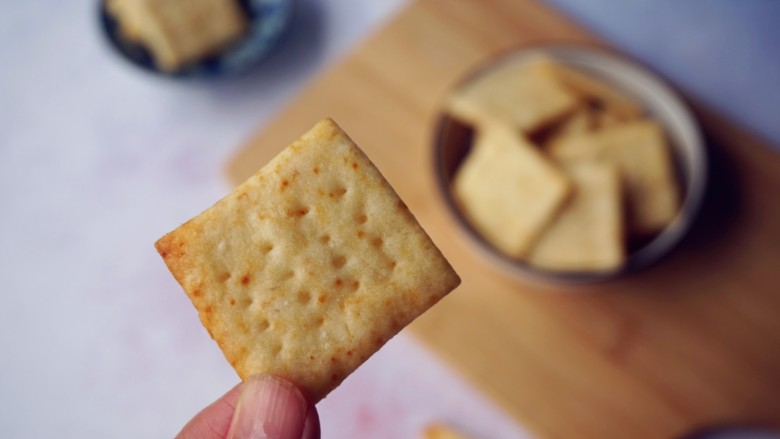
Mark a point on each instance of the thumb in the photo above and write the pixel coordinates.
(270, 408)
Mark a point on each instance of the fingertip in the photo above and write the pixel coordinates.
(213, 422)
(311, 428)
(269, 408)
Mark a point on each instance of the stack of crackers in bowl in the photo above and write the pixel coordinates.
(565, 173)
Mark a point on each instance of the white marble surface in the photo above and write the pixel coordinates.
(97, 160)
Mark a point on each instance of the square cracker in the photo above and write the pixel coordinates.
(643, 159)
(512, 94)
(508, 190)
(587, 235)
(578, 122)
(178, 32)
(611, 101)
(309, 266)
(583, 120)
(575, 123)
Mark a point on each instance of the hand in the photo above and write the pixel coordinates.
(262, 407)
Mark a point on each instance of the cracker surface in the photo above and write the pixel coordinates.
(441, 431)
(640, 152)
(587, 235)
(508, 190)
(178, 32)
(309, 266)
(512, 94)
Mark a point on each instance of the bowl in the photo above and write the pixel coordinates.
(268, 19)
(452, 142)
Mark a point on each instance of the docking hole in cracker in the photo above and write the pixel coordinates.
(309, 266)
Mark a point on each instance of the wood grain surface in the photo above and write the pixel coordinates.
(688, 343)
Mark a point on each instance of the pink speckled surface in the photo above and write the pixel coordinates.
(97, 161)
(402, 389)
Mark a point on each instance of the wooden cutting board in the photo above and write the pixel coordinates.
(691, 342)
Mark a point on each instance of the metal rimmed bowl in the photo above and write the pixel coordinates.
(268, 21)
(452, 142)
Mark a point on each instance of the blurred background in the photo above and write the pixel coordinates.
(99, 158)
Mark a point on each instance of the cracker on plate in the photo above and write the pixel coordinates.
(309, 266)
(178, 32)
(512, 94)
(644, 162)
(587, 235)
(508, 190)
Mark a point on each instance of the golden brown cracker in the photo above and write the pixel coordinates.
(578, 122)
(640, 152)
(590, 88)
(587, 235)
(309, 266)
(514, 95)
(508, 190)
(178, 32)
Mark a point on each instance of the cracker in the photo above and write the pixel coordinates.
(642, 157)
(579, 121)
(604, 118)
(128, 19)
(514, 95)
(508, 190)
(587, 235)
(611, 100)
(584, 120)
(440, 431)
(309, 266)
(178, 32)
